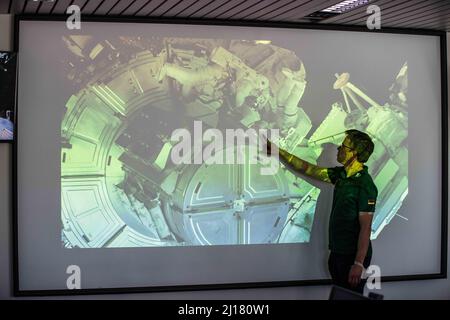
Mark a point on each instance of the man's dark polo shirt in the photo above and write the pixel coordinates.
(352, 195)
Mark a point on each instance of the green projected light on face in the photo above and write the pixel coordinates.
(119, 187)
(345, 146)
(344, 151)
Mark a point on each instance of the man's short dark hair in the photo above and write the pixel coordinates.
(362, 144)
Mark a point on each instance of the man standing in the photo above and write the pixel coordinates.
(352, 210)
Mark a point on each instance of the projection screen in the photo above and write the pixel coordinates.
(140, 163)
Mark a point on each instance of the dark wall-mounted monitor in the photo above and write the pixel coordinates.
(7, 94)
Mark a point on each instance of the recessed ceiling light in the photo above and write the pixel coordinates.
(345, 6)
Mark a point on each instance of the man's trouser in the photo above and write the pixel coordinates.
(339, 266)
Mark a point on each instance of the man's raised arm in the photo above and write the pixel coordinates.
(296, 164)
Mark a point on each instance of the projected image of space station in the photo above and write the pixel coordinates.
(119, 187)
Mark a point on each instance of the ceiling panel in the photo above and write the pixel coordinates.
(46, 7)
(194, 8)
(60, 6)
(106, 7)
(390, 15)
(228, 6)
(17, 6)
(428, 14)
(32, 6)
(444, 19)
(275, 14)
(213, 5)
(165, 7)
(4, 6)
(239, 13)
(435, 14)
(275, 5)
(259, 10)
(135, 7)
(402, 12)
(119, 7)
(150, 7)
(92, 6)
(180, 7)
(251, 5)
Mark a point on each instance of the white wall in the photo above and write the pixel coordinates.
(424, 289)
(5, 184)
